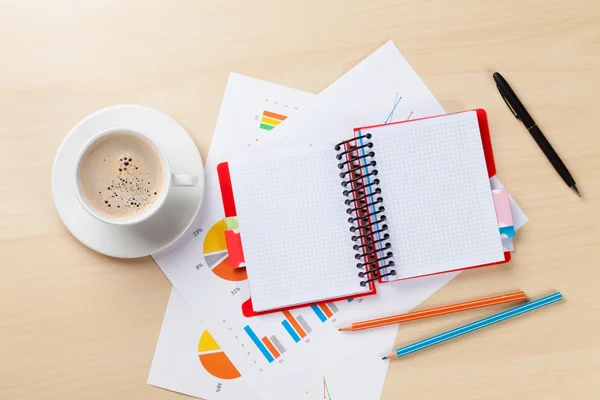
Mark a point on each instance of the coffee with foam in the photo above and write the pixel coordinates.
(121, 176)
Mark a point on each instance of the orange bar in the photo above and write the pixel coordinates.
(274, 115)
(270, 346)
(434, 312)
(326, 310)
(294, 324)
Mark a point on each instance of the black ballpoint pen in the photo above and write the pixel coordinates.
(520, 113)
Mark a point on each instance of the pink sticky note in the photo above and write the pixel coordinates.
(503, 212)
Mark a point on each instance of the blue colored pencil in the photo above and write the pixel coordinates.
(473, 326)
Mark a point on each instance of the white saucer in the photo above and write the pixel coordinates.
(159, 231)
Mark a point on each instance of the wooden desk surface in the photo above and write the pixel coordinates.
(74, 324)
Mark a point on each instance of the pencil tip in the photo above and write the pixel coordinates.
(344, 328)
(384, 358)
(574, 187)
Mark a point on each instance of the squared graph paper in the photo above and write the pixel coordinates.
(295, 230)
(437, 196)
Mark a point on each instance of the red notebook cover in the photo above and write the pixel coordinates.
(230, 210)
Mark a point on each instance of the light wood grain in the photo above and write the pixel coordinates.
(74, 324)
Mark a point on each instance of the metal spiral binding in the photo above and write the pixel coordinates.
(365, 208)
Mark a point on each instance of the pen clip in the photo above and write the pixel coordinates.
(508, 104)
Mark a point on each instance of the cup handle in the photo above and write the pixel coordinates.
(184, 180)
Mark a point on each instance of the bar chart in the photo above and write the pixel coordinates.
(324, 311)
(271, 348)
(296, 327)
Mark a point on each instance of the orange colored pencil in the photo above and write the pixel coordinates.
(434, 312)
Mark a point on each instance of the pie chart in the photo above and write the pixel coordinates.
(212, 358)
(216, 256)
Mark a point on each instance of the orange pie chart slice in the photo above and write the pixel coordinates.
(214, 360)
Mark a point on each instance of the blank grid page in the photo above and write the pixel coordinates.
(294, 229)
(437, 195)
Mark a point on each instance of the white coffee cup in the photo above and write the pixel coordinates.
(169, 179)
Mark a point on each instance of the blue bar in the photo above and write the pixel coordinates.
(290, 330)
(259, 344)
(319, 313)
(350, 300)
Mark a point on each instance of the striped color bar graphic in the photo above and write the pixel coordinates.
(265, 352)
(290, 330)
(270, 120)
(291, 324)
(277, 344)
(304, 324)
(270, 346)
(324, 311)
(294, 324)
(319, 313)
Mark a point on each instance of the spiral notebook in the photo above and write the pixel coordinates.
(379, 207)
